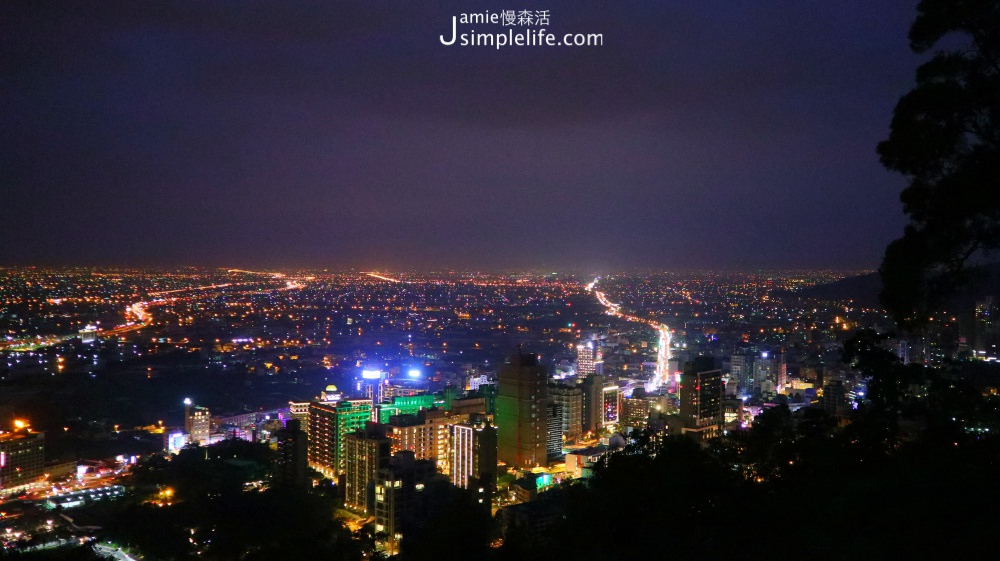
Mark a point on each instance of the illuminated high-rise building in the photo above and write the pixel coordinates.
(322, 443)
(473, 453)
(424, 433)
(593, 403)
(299, 410)
(757, 372)
(986, 340)
(553, 432)
(770, 372)
(197, 423)
(588, 355)
(366, 451)
(610, 404)
(701, 399)
(372, 385)
(521, 422)
(22, 458)
(329, 424)
(570, 398)
(635, 410)
(741, 371)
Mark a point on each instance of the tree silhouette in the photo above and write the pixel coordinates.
(944, 138)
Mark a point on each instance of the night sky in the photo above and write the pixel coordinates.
(336, 134)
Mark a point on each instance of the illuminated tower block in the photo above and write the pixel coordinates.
(329, 424)
(520, 417)
(22, 458)
(741, 370)
(197, 423)
(553, 439)
(424, 433)
(770, 372)
(635, 410)
(366, 452)
(474, 453)
(593, 405)
(587, 356)
(701, 399)
(571, 400)
(610, 404)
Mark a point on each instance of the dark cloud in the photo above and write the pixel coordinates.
(343, 133)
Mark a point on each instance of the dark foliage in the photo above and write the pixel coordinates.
(944, 137)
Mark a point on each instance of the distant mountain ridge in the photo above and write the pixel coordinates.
(864, 289)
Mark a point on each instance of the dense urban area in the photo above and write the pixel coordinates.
(649, 379)
(231, 414)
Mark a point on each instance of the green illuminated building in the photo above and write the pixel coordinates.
(404, 405)
(329, 425)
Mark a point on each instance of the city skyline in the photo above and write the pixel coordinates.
(385, 394)
(460, 280)
(312, 135)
